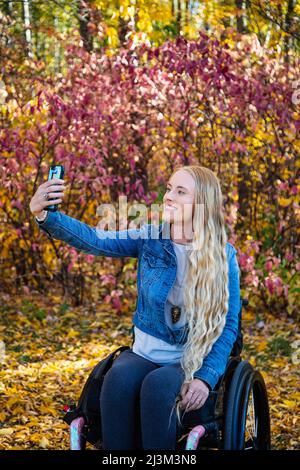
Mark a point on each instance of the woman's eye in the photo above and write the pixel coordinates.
(179, 192)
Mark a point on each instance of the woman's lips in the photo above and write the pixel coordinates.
(170, 207)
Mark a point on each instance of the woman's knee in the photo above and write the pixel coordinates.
(161, 384)
(126, 374)
(118, 379)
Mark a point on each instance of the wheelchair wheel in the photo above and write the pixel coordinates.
(247, 420)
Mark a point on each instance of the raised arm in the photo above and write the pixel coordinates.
(91, 239)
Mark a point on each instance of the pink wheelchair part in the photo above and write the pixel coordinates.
(194, 436)
(77, 440)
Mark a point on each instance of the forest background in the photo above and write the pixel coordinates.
(120, 92)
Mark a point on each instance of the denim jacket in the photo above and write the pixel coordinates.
(156, 274)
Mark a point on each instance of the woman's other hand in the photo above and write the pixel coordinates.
(194, 395)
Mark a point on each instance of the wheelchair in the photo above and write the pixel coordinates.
(235, 415)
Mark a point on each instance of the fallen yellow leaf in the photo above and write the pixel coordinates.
(6, 431)
(262, 346)
(44, 443)
(289, 404)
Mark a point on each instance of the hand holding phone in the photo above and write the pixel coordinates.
(55, 172)
(48, 192)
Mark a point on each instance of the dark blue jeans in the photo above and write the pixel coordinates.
(136, 401)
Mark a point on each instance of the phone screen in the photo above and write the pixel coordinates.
(56, 171)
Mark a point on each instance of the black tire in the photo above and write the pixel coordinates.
(256, 400)
(247, 388)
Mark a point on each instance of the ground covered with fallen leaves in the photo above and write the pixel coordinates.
(47, 351)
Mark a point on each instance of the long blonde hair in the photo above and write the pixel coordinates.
(206, 293)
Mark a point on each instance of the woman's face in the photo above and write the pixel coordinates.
(179, 199)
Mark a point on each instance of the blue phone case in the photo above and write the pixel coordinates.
(56, 171)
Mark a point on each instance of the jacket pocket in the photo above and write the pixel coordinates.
(154, 261)
(152, 267)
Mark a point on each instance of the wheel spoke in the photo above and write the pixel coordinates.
(251, 423)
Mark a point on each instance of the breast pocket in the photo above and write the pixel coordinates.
(152, 268)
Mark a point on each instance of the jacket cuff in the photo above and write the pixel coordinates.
(208, 375)
(48, 223)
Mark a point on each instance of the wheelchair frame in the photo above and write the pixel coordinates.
(235, 415)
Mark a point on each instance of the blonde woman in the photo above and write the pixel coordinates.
(186, 316)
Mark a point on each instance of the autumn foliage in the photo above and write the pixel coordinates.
(119, 96)
(119, 123)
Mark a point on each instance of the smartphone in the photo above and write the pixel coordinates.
(56, 171)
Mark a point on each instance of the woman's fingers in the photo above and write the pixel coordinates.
(183, 390)
(53, 186)
(192, 403)
(53, 201)
(53, 197)
(56, 194)
(53, 181)
(196, 404)
(186, 399)
(54, 189)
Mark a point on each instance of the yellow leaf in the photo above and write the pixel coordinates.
(72, 333)
(285, 202)
(6, 431)
(35, 437)
(289, 404)
(17, 410)
(11, 401)
(262, 346)
(20, 435)
(44, 443)
(33, 422)
(47, 410)
(22, 244)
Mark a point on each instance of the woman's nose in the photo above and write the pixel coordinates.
(170, 199)
(170, 196)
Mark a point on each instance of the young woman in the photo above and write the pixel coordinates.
(186, 317)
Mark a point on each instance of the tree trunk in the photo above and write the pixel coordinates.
(84, 18)
(288, 23)
(187, 11)
(123, 30)
(26, 19)
(244, 192)
(57, 48)
(173, 8)
(240, 17)
(178, 17)
(6, 7)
